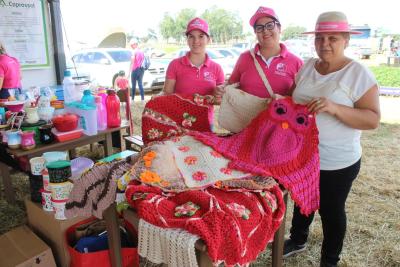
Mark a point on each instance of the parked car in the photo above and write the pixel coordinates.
(103, 65)
(227, 64)
(301, 48)
(228, 52)
(152, 52)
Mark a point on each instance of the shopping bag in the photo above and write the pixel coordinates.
(100, 258)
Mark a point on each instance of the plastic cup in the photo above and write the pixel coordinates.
(37, 165)
(46, 200)
(59, 209)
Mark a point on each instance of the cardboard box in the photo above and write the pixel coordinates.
(50, 230)
(20, 247)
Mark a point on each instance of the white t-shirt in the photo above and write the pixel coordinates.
(339, 144)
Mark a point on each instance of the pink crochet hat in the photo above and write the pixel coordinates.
(263, 12)
(332, 21)
(197, 24)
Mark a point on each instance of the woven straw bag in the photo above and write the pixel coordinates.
(239, 108)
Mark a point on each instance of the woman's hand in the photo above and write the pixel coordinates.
(219, 91)
(322, 104)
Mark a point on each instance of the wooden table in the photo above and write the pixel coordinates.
(70, 145)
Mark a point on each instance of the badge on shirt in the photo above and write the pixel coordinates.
(209, 76)
(281, 69)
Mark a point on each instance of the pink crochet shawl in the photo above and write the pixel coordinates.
(281, 142)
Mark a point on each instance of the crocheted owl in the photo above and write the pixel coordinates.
(282, 142)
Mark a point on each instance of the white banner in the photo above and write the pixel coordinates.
(23, 32)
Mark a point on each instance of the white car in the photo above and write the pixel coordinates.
(227, 64)
(103, 65)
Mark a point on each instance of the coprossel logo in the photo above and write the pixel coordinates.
(16, 4)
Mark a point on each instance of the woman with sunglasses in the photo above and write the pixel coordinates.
(279, 65)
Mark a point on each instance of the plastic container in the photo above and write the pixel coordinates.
(33, 127)
(55, 156)
(59, 209)
(69, 88)
(101, 114)
(37, 165)
(87, 98)
(46, 180)
(87, 116)
(79, 165)
(59, 171)
(60, 191)
(113, 110)
(35, 185)
(46, 200)
(66, 136)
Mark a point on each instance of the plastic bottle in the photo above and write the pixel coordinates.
(68, 87)
(113, 110)
(101, 114)
(88, 98)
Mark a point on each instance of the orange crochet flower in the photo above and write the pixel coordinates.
(148, 158)
(149, 177)
(190, 160)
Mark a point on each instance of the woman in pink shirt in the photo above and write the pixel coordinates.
(10, 74)
(195, 72)
(278, 64)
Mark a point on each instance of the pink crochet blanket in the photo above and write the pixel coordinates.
(281, 142)
(236, 226)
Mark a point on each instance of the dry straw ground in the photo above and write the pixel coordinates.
(373, 207)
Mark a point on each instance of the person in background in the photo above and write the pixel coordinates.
(136, 71)
(121, 82)
(280, 66)
(195, 72)
(10, 75)
(344, 95)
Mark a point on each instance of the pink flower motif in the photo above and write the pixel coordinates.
(239, 210)
(226, 171)
(215, 154)
(154, 133)
(199, 176)
(175, 139)
(198, 99)
(184, 148)
(190, 160)
(187, 123)
(188, 209)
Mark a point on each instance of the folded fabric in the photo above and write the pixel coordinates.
(281, 142)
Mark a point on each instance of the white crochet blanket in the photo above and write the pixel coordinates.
(174, 247)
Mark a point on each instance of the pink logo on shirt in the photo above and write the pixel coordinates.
(209, 76)
(281, 69)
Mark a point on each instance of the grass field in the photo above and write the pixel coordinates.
(373, 207)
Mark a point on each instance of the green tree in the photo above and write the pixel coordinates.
(167, 27)
(293, 32)
(181, 21)
(224, 25)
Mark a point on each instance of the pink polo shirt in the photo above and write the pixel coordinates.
(10, 72)
(280, 72)
(137, 59)
(191, 79)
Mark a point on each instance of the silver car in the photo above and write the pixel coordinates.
(103, 65)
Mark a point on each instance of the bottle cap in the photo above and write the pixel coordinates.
(67, 73)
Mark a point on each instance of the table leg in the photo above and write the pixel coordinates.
(7, 183)
(122, 140)
(277, 245)
(114, 238)
(108, 148)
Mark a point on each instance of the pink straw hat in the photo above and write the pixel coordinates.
(197, 24)
(332, 21)
(263, 12)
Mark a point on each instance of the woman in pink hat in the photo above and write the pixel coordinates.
(279, 65)
(344, 95)
(195, 72)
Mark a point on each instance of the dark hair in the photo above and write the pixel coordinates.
(121, 73)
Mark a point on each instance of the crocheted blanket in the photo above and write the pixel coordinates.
(172, 115)
(236, 226)
(281, 142)
(95, 190)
